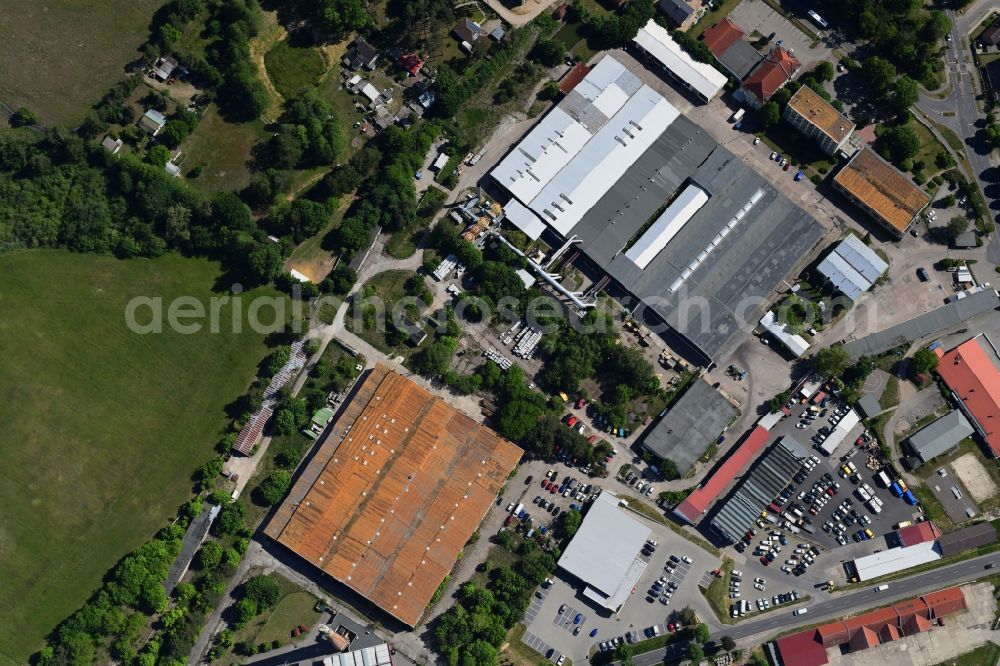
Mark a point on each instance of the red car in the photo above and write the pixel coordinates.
(859, 442)
(764, 561)
(572, 421)
(509, 520)
(580, 403)
(545, 484)
(671, 627)
(553, 488)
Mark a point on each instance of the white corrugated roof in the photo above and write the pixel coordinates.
(605, 547)
(844, 427)
(704, 78)
(522, 218)
(852, 267)
(580, 149)
(862, 258)
(795, 343)
(673, 219)
(599, 164)
(847, 280)
(896, 559)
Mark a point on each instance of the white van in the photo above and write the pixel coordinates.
(881, 588)
(800, 611)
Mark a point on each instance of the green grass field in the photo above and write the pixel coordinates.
(59, 58)
(222, 150)
(294, 609)
(293, 68)
(103, 427)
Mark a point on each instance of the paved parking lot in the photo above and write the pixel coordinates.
(758, 16)
(548, 629)
(957, 508)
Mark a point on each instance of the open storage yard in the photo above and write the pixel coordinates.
(104, 426)
(59, 58)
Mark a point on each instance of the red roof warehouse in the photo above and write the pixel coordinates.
(972, 371)
(882, 625)
(698, 501)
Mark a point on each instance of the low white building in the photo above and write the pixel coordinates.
(605, 552)
(896, 559)
(791, 341)
(701, 79)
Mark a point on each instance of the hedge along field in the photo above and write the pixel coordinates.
(102, 428)
(59, 58)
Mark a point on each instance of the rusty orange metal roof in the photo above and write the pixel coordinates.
(882, 188)
(393, 493)
(808, 104)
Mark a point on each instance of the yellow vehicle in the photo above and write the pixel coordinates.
(563, 396)
(869, 533)
(829, 586)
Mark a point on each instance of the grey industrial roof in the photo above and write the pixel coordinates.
(773, 471)
(688, 427)
(941, 435)
(742, 269)
(966, 538)
(926, 325)
(740, 59)
(605, 546)
(852, 267)
(870, 405)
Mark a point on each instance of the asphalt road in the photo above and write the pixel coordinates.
(824, 609)
(963, 114)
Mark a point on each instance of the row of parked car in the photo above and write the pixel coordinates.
(637, 482)
(846, 515)
(800, 559)
(744, 607)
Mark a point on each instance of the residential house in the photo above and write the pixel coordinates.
(111, 144)
(676, 11)
(152, 122)
(771, 74)
(361, 54)
(467, 31)
(164, 68)
(991, 36)
(725, 41)
(814, 117)
(411, 62)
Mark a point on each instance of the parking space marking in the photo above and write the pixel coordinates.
(540, 646)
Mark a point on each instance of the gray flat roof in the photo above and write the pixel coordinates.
(744, 267)
(944, 433)
(690, 425)
(923, 326)
(774, 470)
(740, 59)
(605, 548)
(870, 405)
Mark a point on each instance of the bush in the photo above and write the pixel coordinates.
(274, 487)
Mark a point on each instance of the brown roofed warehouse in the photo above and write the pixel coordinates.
(817, 119)
(881, 190)
(393, 493)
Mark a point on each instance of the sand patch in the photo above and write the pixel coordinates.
(975, 477)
